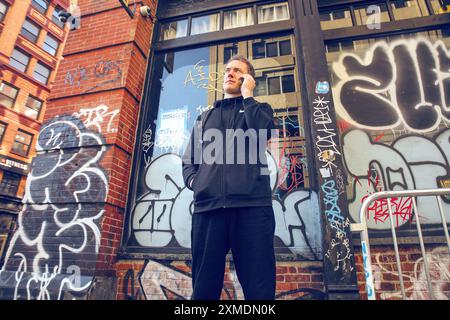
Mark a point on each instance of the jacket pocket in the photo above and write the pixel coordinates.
(206, 184)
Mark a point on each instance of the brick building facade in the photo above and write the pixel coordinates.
(113, 221)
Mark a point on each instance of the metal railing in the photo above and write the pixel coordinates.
(365, 248)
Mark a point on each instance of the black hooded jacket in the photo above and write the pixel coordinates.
(221, 176)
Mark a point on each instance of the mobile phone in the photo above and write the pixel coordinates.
(241, 80)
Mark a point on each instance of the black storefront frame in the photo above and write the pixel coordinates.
(192, 42)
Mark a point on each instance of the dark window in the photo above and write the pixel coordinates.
(288, 83)
(400, 4)
(333, 47)
(22, 143)
(30, 31)
(338, 14)
(55, 16)
(19, 60)
(50, 45)
(261, 86)
(3, 8)
(2, 131)
(8, 95)
(285, 48)
(41, 73)
(228, 52)
(274, 85)
(10, 183)
(259, 50)
(272, 49)
(40, 5)
(33, 107)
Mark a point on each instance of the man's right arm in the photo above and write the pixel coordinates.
(191, 156)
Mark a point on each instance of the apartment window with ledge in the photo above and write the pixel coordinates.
(228, 52)
(8, 95)
(336, 19)
(51, 45)
(407, 9)
(41, 73)
(273, 12)
(10, 183)
(30, 31)
(22, 143)
(40, 5)
(19, 60)
(205, 24)
(174, 30)
(2, 131)
(3, 9)
(33, 107)
(55, 17)
(263, 50)
(274, 85)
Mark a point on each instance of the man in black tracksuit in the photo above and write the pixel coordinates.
(232, 193)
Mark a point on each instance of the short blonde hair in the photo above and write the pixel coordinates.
(250, 68)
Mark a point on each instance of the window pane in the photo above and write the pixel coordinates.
(259, 50)
(22, 143)
(8, 95)
(274, 85)
(370, 14)
(3, 9)
(33, 107)
(228, 52)
(10, 183)
(40, 5)
(173, 30)
(205, 24)
(2, 130)
(55, 16)
(273, 12)
(285, 48)
(406, 9)
(238, 18)
(288, 83)
(30, 31)
(272, 49)
(41, 73)
(261, 87)
(50, 45)
(336, 19)
(19, 60)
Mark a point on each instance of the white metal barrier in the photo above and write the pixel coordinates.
(365, 247)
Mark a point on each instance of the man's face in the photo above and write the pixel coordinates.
(233, 71)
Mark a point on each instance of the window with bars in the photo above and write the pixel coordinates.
(19, 60)
(10, 183)
(51, 45)
(41, 73)
(40, 5)
(3, 9)
(8, 95)
(22, 143)
(33, 107)
(30, 30)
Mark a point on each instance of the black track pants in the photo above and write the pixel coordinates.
(249, 233)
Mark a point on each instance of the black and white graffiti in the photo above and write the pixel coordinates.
(162, 216)
(410, 162)
(55, 247)
(401, 84)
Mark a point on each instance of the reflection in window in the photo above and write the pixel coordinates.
(19, 60)
(8, 95)
(271, 49)
(273, 12)
(173, 30)
(365, 15)
(336, 19)
(238, 18)
(3, 8)
(2, 131)
(229, 51)
(41, 73)
(440, 7)
(10, 183)
(33, 107)
(205, 24)
(261, 87)
(406, 9)
(22, 143)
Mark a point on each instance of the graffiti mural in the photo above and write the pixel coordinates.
(404, 83)
(55, 248)
(162, 216)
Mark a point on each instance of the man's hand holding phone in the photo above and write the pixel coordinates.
(248, 84)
